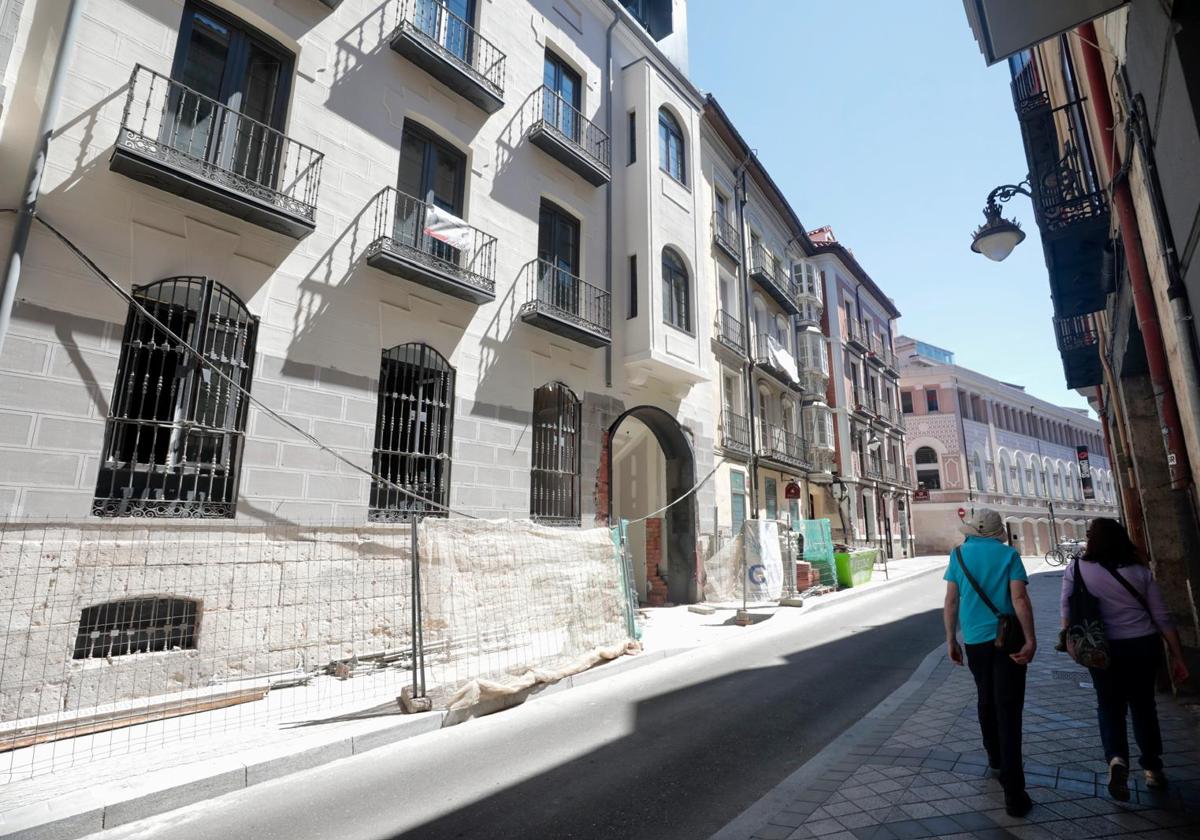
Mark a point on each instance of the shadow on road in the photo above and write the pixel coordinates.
(700, 755)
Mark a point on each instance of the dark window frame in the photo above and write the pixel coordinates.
(906, 402)
(671, 139)
(933, 406)
(632, 309)
(632, 138)
(677, 293)
(555, 462)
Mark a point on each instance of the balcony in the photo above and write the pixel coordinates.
(449, 49)
(864, 402)
(424, 244)
(1069, 200)
(771, 356)
(735, 432)
(1079, 346)
(766, 270)
(820, 458)
(569, 137)
(880, 352)
(180, 141)
(856, 336)
(872, 470)
(725, 237)
(559, 302)
(729, 332)
(783, 448)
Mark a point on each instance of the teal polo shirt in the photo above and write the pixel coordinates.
(994, 565)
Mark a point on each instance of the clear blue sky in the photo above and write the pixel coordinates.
(881, 119)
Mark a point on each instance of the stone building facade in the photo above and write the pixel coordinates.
(975, 441)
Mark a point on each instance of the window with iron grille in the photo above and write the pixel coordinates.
(554, 473)
(414, 424)
(136, 625)
(173, 440)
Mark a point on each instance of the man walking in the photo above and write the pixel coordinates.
(986, 579)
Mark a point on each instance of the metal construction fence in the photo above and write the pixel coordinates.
(123, 636)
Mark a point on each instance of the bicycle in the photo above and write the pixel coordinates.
(1064, 553)
(1056, 557)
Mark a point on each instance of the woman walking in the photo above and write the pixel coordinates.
(1134, 616)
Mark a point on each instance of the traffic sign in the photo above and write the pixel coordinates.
(962, 513)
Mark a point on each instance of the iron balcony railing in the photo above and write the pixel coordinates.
(557, 115)
(725, 234)
(454, 40)
(735, 431)
(890, 471)
(556, 292)
(856, 334)
(764, 358)
(872, 470)
(730, 331)
(187, 131)
(766, 265)
(783, 446)
(1076, 332)
(434, 238)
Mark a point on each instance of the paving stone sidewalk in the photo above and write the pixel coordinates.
(915, 768)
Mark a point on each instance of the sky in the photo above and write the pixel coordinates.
(882, 120)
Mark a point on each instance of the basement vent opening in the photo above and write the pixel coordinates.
(136, 625)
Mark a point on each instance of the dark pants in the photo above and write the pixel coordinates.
(1000, 684)
(1128, 683)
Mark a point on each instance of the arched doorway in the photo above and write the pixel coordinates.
(651, 463)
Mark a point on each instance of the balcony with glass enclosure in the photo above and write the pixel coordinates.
(773, 278)
(563, 132)
(808, 293)
(427, 245)
(818, 430)
(448, 48)
(559, 302)
(183, 142)
(813, 362)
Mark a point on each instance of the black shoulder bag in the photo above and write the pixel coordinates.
(1085, 639)
(1010, 638)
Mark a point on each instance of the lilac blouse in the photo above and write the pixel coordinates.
(1123, 616)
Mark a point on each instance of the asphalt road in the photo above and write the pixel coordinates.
(675, 749)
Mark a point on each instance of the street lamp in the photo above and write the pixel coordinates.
(997, 236)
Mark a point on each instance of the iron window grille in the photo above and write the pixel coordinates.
(174, 435)
(136, 625)
(414, 426)
(555, 467)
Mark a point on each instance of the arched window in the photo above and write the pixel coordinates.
(136, 625)
(554, 470)
(928, 474)
(676, 295)
(414, 424)
(672, 157)
(977, 472)
(175, 430)
(1005, 476)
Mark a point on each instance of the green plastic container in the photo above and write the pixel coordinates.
(855, 568)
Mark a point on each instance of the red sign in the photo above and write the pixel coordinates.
(962, 513)
(791, 491)
(920, 495)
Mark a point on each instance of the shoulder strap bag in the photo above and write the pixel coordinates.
(1086, 641)
(1010, 638)
(1132, 590)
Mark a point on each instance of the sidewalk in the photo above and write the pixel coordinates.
(70, 802)
(914, 766)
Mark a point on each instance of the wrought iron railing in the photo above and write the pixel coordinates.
(765, 358)
(426, 234)
(454, 39)
(856, 333)
(725, 233)
(1076, 332)
(553, 113)
(1027, 90)
(735, 431)
(783, 446)
(559, 293)
(186, 130)
(872, 470)
(730, 331)
(765, 264)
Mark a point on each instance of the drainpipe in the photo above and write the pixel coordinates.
(37, 166)
(1139, 278)
(1181, 311)
(744, 276)
(608, 194)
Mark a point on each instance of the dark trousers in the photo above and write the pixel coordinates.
(1128, 684)
(1000, 684)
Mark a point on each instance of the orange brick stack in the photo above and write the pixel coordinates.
(806, 576)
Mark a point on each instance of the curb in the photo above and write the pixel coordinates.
(81, 813)
(759, 814)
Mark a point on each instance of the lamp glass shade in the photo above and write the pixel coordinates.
(997, 239)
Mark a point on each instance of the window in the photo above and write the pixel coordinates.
(928, 474)
(413, 428)
(671, 156)
(558, 253)
(136, 625)
(562, 104)
(771, 492)
(721, 203)
(632, 137)
(906, 404)
(931, 400)
(174, 435)
(633, 286)
(653, 15)
(554, 471)
(737, 500)
(225, 63)
(447, 23)
(432, 174)
(977, 475)
(794, 514)
(676, 311)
